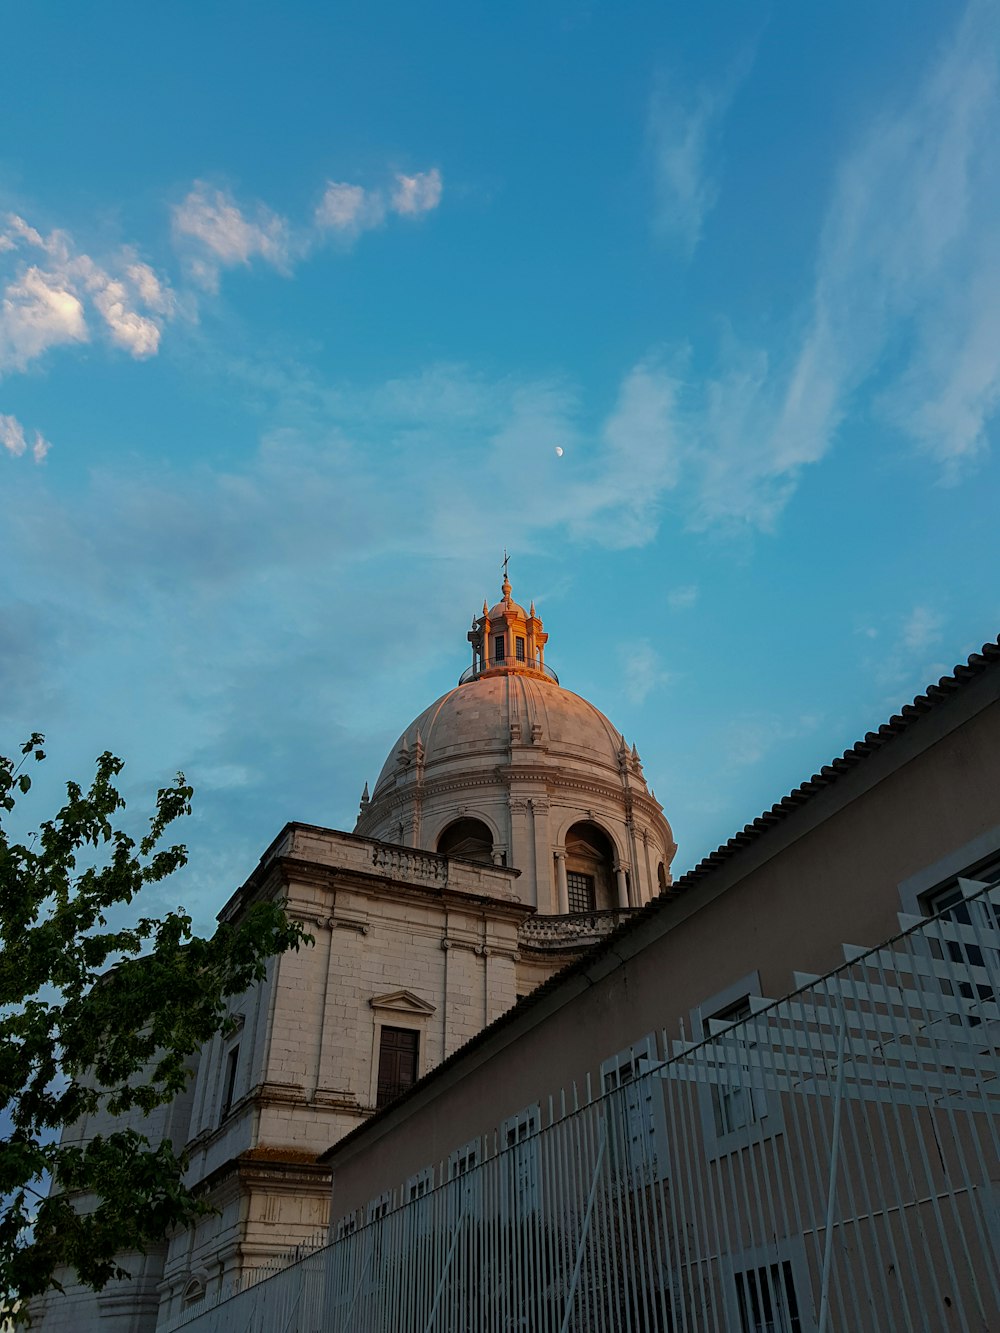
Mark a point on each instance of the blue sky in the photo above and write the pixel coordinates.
(298, 303)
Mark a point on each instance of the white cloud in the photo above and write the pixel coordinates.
(15, 441)
(921, 629)
(38, 311)
(680, 599)
(212, 221)
(45, 305)
(419, 193)
(349, 209)
(642, 670)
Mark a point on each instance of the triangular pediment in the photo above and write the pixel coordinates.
(402, 1002)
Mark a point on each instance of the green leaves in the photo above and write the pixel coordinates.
(101, 1022)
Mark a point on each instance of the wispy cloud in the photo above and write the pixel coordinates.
(52, 292)
(684, 143)
(681, 599)
(15, 440)
(908, 256)
(905, 303)
(642, 670)
(684, 181)
(921, 629)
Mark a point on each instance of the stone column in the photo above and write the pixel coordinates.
(622, 886)
(561, 884)
(520, 845)
(546, 897)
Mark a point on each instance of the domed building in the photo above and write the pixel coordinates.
(510, 828)
(511, 769)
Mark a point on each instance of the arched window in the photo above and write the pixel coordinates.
(590, 860)
(470, 839)
(194, 1292)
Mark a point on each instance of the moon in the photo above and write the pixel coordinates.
(559, 451)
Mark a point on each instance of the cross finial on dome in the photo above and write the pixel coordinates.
(505, 587)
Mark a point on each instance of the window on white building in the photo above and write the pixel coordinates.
(767, 1300)
(977, 946)
(229, 1082)
(379, 1208)
(418, 1185)
(464, 1159)
(734, 1105)
(734, 1097)
(517, 1135)
(637, 1116)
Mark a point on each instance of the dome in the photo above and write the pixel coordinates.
(511, 767)
(507, 609)
(485, 716)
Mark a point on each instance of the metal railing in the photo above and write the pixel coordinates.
(506, 663)
(826, 1163)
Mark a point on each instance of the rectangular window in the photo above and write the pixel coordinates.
(397, 1063)
(465, 1187)
(463, 1160)
(498, 649)
(970, 948)
(379, 1208)
(519, 648)
(767, 1300)
(580, 891)
(637, 1117)
(420, 1184)
(521, 1179)
(229, 1082)
(735, 1107)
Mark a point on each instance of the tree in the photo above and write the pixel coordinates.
(99, 1016)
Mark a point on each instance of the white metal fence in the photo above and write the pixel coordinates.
(830, 1161)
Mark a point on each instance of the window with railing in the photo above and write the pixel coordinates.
(498, 649)
(980, 947)
(636, 1116)
(734, 1100)
(519, 648)
(767, 1300)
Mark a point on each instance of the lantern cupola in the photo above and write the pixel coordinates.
(506, 639)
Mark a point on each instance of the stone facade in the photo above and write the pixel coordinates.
(510, 829)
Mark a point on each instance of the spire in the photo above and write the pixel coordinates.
(365, 801)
